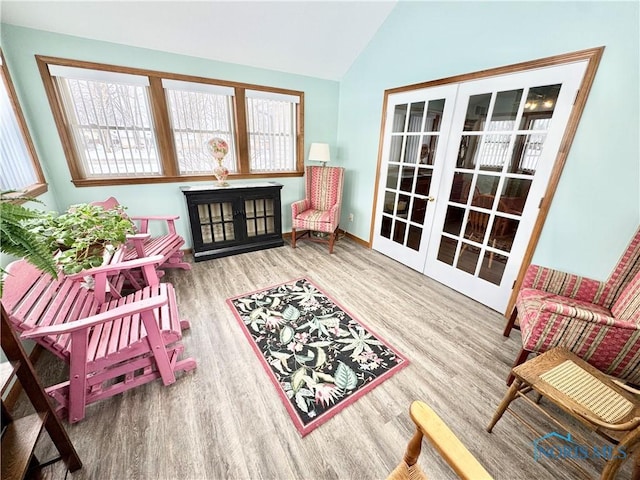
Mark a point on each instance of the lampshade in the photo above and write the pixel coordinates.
(319, 152)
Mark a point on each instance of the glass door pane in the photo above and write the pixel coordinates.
(412, 148)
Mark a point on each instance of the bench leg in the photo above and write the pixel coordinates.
(78, 376)
(158, 349)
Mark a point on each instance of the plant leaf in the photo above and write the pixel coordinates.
(286, 334)
(324, 376)
(345, 377)
(297, 379)
(301, 402)
(322, 357)
(291, 313)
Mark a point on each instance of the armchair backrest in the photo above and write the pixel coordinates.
(625, 271)
(323, 187)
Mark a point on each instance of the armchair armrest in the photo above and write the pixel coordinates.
(561, 283)
(334, 212)
(299, 207)
(112, 314)
(538, 308)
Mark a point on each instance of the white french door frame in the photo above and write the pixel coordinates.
(592, 56)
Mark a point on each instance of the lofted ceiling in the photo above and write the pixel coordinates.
(315, 38)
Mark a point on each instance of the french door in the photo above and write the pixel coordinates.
(414, 150)
(464, 168)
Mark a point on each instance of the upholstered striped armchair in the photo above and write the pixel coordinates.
(598, 321)
(320, 210)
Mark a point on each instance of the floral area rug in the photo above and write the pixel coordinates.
(319, 357)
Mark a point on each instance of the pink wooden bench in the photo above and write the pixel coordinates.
(143, 244)
(111, 345)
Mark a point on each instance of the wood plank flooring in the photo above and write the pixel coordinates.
(226, 421)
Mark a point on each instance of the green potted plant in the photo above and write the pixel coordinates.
(80, 236)
(17, 240)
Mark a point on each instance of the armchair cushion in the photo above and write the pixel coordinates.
(316, 220)
(589, 330)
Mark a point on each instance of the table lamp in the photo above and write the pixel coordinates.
(319, 152)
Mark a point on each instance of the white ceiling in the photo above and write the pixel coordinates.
(316, 38)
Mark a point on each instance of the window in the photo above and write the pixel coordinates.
(271, 124)
(20, 169)
(109, 119)
(197, 113)
(121, 125)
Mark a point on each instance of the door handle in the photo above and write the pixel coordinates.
(431, 199)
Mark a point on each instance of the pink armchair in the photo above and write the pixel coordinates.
(320, 210)
(598, 321)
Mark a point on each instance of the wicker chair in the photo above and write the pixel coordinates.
(598, 321)
(603, 406)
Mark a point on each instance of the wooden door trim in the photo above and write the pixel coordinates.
(593, 57)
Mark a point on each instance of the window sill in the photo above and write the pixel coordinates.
(32, 191)
(94, 182)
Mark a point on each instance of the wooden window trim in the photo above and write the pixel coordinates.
(162, 127)
(40, 186)
(593, 57)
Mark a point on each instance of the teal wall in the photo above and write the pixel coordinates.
(19, 46)
(597, 205)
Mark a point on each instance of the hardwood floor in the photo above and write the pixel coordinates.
(226, 421)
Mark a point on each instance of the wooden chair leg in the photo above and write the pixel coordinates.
(504, 404)
(635, 474)
(293, 238)
(521, 358)
(332, 239)
(626, 447)
(413, 448)
(511, 322)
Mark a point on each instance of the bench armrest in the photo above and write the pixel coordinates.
(119, 266)
(113, 314)
(144, 222)
(156, 217)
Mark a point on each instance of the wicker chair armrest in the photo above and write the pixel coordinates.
(562, 283)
